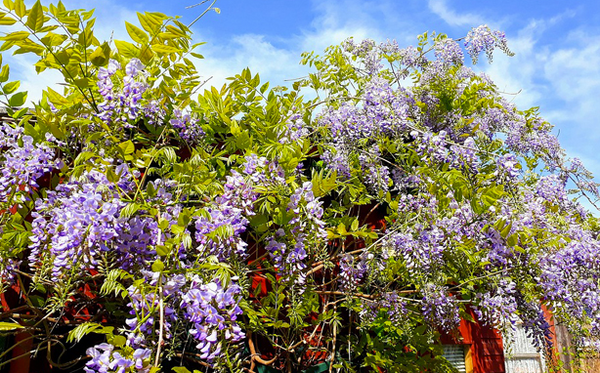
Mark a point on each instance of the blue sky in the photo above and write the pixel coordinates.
(557, 45)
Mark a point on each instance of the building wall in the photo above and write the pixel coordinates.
(485, 351)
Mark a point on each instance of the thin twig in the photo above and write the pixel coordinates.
(333, 341)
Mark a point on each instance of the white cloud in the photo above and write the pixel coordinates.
(441, 9)
(515, 76)
(335, 22)
(252, 51)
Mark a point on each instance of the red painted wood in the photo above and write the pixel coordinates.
(555, 353)
(21, 352)
(487, 350)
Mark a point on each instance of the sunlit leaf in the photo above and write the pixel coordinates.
(127, 49)
(17, 35)
(165, 49)
(18, 99)
(5, 326)
(136, 33)
(11, 87)
(35, 18)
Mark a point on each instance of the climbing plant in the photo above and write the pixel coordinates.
(151, 223)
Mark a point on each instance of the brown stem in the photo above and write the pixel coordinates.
(371, 211)
(255, 356)
(333, 341)
(194, 357)
(360, 295)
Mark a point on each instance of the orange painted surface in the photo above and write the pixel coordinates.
(21, 352)
(554, 353)
(487, 350)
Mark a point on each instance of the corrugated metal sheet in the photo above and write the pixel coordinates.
(521, 356)
(455, 354)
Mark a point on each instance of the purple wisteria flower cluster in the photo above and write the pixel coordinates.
(105, 358)
(219, 232)
(209, 307)
(188, 126)
(23, 162)
(121, 104)
(483, 39)
(295, 129)
(449, 51)
(81, 219)
(392, 304)
(439, 307)
(74, 223)
(288, 249)
(352, 271)
(499, 306)
(213, 311)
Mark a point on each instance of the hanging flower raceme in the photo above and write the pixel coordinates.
(23, 161)
(122, 104)
(80, 220)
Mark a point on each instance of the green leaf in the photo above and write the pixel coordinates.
(512, 240)
(11, 87)
(4, 73)
(127, 147)
(101, 55)
(136, 34)
(19, 8)
(86, 328)
(7, 21)
(151, 22)
(52, 40)
(127, 49)
(167, 35)
(8, 4)
(37, 301)
(177, 229)
(112, 176)
(162, 250)
(129, 210)
(31, 131)
(19, 113)
(146, 55)
(28, 46)
(4, 326)
(18, 99)
(83, 83)
(35, 18)
(56, 98)
(175, 30)
(506, 230)
(119, 341)
(14, 36)
(158, 266)
(354, 225)
(180, 370)
(83, 157)
(166, 49)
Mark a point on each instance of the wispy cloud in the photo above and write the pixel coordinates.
(441, 9)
